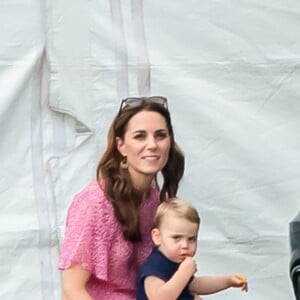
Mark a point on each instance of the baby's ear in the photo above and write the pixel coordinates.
(155, 233)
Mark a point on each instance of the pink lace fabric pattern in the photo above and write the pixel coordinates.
(94, 239)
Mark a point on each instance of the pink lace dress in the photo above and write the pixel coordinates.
(94, 239)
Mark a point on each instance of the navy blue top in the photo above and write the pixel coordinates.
(160, 266)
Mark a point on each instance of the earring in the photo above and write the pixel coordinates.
(124, 163)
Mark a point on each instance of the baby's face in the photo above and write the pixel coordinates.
(176, 238)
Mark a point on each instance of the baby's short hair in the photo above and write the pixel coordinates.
(178, 207)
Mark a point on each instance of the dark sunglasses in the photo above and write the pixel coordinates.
(135, 101)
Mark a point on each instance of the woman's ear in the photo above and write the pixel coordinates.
(121, 146)
(155, 234)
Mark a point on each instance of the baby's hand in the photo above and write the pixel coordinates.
(238, 280)
(188, 266)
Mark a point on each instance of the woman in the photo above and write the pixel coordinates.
(108, 226)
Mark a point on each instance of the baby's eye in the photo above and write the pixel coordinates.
(193, 239)
(176, 237)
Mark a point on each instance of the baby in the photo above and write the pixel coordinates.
(168, 273)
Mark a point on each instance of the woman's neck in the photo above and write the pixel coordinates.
(142, 183)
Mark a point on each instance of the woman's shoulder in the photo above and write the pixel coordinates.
(93, 187)
(91, 206)
(92, 194)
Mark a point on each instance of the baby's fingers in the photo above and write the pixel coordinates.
(244, 283)
(245, 287)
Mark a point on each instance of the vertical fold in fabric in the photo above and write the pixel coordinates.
(39, 183)
(143, 65)
(120, 49)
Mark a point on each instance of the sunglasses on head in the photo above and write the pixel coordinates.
(135, 101)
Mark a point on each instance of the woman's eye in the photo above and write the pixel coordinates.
(161, 135)
(139, 136)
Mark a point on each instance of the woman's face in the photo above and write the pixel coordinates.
(146, 144)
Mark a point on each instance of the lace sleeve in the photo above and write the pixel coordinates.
(88, 234)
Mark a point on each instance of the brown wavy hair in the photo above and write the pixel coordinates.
(118, 185)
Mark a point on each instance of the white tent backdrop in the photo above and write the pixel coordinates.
(231, 72)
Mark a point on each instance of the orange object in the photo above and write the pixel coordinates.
(243, 279)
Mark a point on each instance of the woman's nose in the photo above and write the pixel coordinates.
(151, 142)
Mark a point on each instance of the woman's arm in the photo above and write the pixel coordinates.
(205, 285)
(74, 283)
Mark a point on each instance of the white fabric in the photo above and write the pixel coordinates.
(230, 70)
